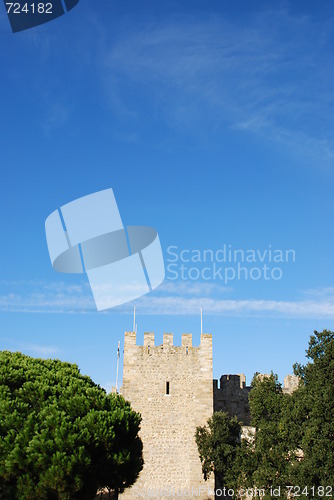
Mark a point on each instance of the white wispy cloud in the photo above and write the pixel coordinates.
(321, 293)
(46, 297)
(287, 309)
(172, 298)
(187, 288)
(267, 77)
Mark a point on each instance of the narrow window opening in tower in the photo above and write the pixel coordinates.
(148, 349)
(167, 387)
(187, 350)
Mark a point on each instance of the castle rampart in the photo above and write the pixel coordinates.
(291, 383)
(232, 396)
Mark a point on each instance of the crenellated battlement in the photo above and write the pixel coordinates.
(187, 340)
(236, 381)
(148, 339)
(130, 340)
(168, 340)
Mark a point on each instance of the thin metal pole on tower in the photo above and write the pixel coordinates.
(118, 354)
(134, 319)
(201, 321)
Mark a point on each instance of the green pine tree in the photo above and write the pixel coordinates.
(61, 435)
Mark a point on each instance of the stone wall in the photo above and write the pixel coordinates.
(232, 396)
(171, 386)
(291, 383)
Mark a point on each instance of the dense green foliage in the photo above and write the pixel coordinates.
(217, 444)
(294, 439)
(312, 413)
(61, 436)
(270, 459)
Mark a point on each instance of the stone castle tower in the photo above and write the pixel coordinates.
(171, 386)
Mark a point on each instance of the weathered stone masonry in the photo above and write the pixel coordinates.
(171, 386)
(232, 396)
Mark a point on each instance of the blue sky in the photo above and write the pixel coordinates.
(213, 122)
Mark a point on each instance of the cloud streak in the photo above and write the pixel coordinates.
(286, 309)
(181, 298)
(46, 297)
(269, 77)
